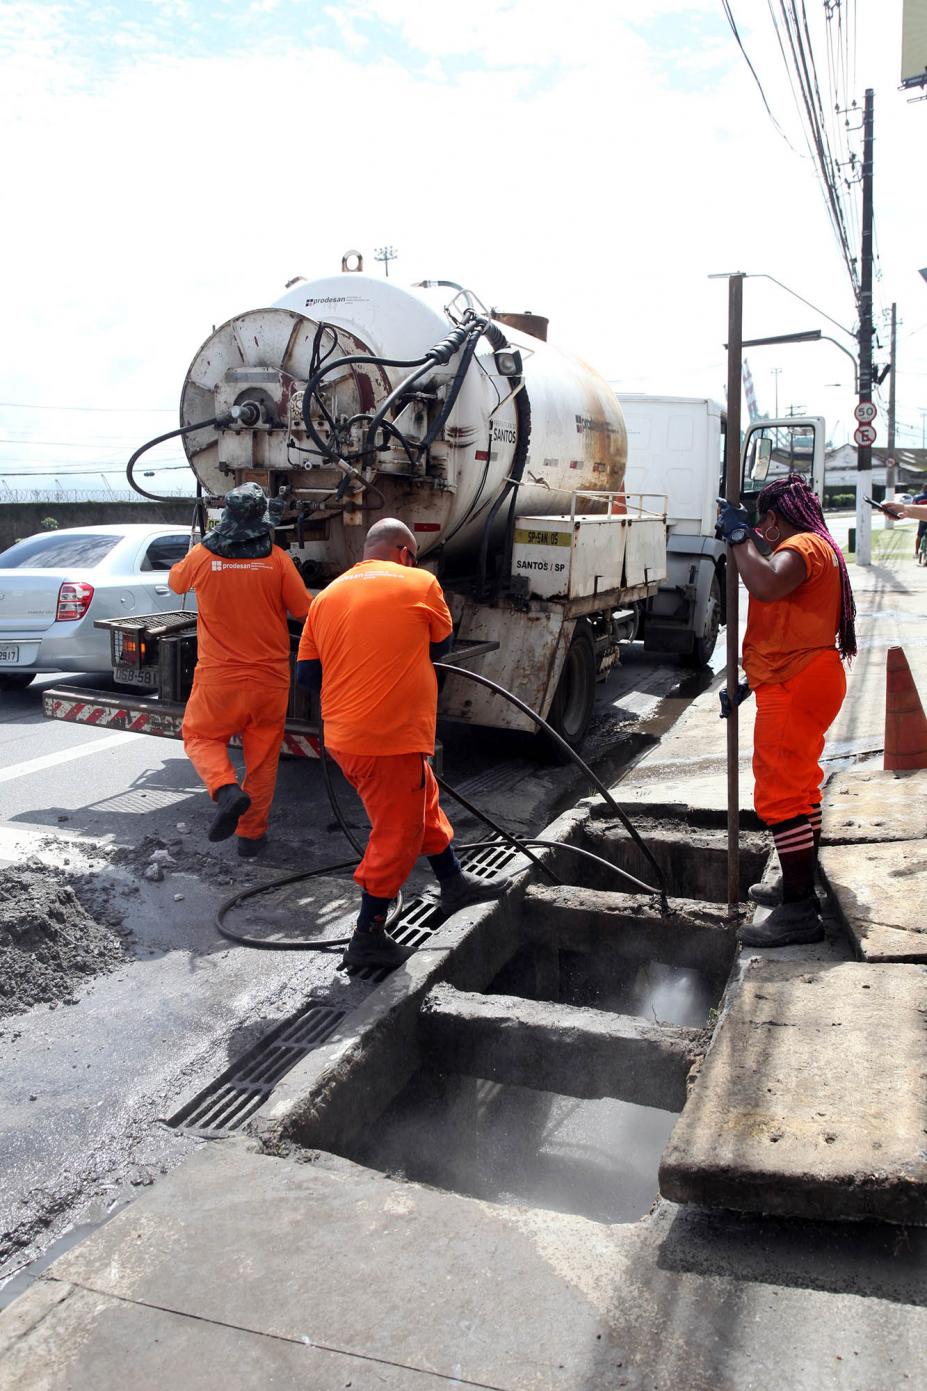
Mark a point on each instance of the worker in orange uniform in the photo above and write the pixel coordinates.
(800, 631)
(245, 586)
(369, 642)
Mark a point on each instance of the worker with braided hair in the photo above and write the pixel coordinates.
(800, 632)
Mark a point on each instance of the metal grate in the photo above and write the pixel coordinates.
(225, 1104)
(243, 1087)
(155, 624)
(422, 916)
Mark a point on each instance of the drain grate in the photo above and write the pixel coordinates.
(421, 916)
(245, 1085)
(226, 1103)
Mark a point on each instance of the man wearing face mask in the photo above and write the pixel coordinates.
(245, 586)
(800, 632)
(369, 642)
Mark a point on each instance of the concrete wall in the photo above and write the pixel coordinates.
(18, 519)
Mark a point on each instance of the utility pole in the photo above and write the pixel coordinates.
(864, 450)
(735, 318)
(385, 254)
(777, 372)
(890, 460)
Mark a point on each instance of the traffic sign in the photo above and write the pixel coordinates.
(864, 434)
(865, 412)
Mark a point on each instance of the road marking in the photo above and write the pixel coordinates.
(51, 760)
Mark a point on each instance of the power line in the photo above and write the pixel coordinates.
(734, 30)
(70, 472)
(114, 410)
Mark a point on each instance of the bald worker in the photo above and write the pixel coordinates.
(369, 643)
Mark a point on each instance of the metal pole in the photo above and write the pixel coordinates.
(864, 454)
(890, 474)
(735, 305)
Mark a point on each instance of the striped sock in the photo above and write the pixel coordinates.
(814, 820)
(794, 841)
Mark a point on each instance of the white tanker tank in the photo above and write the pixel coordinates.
(331, 401)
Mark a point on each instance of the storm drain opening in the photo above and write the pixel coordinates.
(662, 992)
(520, 1145)
(692, 858)
(223, 1107)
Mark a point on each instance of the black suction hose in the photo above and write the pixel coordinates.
(580, 763)
(521, 845)
(159, 439)
(514, 841)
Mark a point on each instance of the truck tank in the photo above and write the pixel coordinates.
(311, 404)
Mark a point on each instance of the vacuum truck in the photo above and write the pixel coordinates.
(354, 398)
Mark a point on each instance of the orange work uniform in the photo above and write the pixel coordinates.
(371, 630)
(242, 680)
(795, 672)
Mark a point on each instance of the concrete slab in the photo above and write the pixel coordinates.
(575, 1052)
(240, 1255)
(152, 1349)
(810, 1102)
(869, 804)
(878, 890)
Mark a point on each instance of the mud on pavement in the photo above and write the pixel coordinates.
(50, 942)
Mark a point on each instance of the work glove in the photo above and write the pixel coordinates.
(733, 524)
(740, 695)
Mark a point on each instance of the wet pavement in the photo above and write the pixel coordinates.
(87, 1084)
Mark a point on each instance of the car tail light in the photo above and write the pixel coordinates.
(73, 601)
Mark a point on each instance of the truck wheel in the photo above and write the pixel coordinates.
(15, 680)
(706, 641)
(571, 709)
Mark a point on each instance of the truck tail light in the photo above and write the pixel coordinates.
(73, 601)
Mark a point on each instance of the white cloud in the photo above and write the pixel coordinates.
(559, 160)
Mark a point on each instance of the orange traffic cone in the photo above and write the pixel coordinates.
(905, 721)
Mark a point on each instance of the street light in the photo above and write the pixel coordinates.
(761, 275)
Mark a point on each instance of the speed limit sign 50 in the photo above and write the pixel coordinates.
(864, 434)
(865, 412)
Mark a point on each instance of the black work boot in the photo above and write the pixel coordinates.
(250, 846)
(787, 924)
(463, 889)
(232, 803)
(769, 895)
(374, 947)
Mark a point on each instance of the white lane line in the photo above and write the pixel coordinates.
(51, 760)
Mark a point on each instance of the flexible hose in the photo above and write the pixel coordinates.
(520, 844)
(580, 763)
(159, 439)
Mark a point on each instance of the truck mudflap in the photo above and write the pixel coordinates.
(138, 716)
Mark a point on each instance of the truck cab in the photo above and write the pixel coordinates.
(676, 447)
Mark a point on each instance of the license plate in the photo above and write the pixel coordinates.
(130, 676)
(9, 654)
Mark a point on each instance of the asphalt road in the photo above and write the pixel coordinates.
(86, 1085)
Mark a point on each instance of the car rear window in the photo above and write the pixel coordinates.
(52, 552)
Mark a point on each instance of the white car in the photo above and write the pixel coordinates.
(53, 586)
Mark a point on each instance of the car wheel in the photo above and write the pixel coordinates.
(15, 680)
(571, 709)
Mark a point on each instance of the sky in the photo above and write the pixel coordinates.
(170, 164)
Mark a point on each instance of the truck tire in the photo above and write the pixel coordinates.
(706, 641)
(15, 680)
(571, 709)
